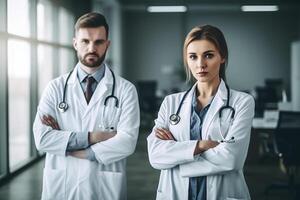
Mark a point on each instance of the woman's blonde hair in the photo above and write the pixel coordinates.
(212, 34)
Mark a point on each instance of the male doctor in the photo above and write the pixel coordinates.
(86, 135)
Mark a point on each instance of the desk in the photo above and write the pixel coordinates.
(263, 123)
(260, 126)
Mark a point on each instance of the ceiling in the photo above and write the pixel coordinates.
(211, 2)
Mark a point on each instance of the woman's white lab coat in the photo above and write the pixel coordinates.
(223, 165)
(67, 177)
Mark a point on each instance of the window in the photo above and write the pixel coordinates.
(35, 46)
(66, 60)
(45, 12)
(18, 17)
(19, 101)
(45, 67)
(66, 26)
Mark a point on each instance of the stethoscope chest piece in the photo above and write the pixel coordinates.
(174, 119)
(62, 107)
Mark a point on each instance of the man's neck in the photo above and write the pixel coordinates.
(89, 70)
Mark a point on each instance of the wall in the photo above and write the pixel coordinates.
(259, 45)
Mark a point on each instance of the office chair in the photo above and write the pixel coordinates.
(148, 101)
(147, 95)
(287, 148)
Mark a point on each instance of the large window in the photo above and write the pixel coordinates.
(45, 66)
(18, 98)
(65, 32)
(18, 17)
(45, 26)
(36, 46)
(66, 61)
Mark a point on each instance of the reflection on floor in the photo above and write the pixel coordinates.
(142, 179)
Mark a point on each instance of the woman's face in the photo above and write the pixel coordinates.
(204, 60)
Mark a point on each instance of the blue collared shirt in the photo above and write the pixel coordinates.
(79, 140)
(197, 185)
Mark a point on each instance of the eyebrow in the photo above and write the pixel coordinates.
(209, 51)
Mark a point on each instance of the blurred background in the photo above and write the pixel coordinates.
(263, 37)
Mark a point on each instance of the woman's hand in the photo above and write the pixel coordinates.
(203, 145)
(164, 134)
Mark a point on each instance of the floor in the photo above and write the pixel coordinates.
(142, 179)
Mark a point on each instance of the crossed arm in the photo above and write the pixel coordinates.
(93, 137)
(202, 145)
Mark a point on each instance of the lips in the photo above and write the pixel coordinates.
(91, 56)
(202, 73)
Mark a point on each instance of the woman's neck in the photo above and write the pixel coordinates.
(207, 89)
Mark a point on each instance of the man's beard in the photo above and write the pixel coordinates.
(92, 64)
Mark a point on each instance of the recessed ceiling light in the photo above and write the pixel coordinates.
(167, 9)
(260, 8)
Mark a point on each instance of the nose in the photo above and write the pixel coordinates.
(201, 62)
(91, 48)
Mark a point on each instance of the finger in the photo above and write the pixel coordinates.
(49, 122)
(54, 123)
(45, 121)
(168, 134)
(161, 136)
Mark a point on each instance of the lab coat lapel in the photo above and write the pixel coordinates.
(185, 115)
(102, 90)
(76, 91)
(218, 101)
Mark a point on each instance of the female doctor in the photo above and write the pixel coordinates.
(201, 136)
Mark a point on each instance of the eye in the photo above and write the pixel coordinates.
(193, 57)
(209, 55)
(99, 42)
(84, 41)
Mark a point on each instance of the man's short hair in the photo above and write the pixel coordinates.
(91, 20)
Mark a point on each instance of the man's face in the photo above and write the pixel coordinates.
(91, 45)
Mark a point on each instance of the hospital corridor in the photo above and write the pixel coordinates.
(149, 99)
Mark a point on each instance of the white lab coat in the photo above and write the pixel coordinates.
(223, 165)
(67, 177)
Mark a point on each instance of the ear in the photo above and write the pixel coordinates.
(223, 60)
(75, 43)
(108, 43)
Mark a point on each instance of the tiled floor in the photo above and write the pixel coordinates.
(142, 179)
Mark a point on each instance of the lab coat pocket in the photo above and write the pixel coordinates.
(110, 184)
(53, 184)
(160, 195)
(109, 120)
(218, 130)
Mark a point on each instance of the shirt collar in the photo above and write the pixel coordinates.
(97, 75)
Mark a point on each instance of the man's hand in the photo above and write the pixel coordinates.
(204, 145)
(100, 136)
(48, 120)
(164, 134)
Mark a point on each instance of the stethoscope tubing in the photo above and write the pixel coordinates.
(175, 118)
(63, 106)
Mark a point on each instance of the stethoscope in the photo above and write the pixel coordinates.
(63, 106)
(175, 118)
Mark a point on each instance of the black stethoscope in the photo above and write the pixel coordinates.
(175, 118)
(63, 106)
